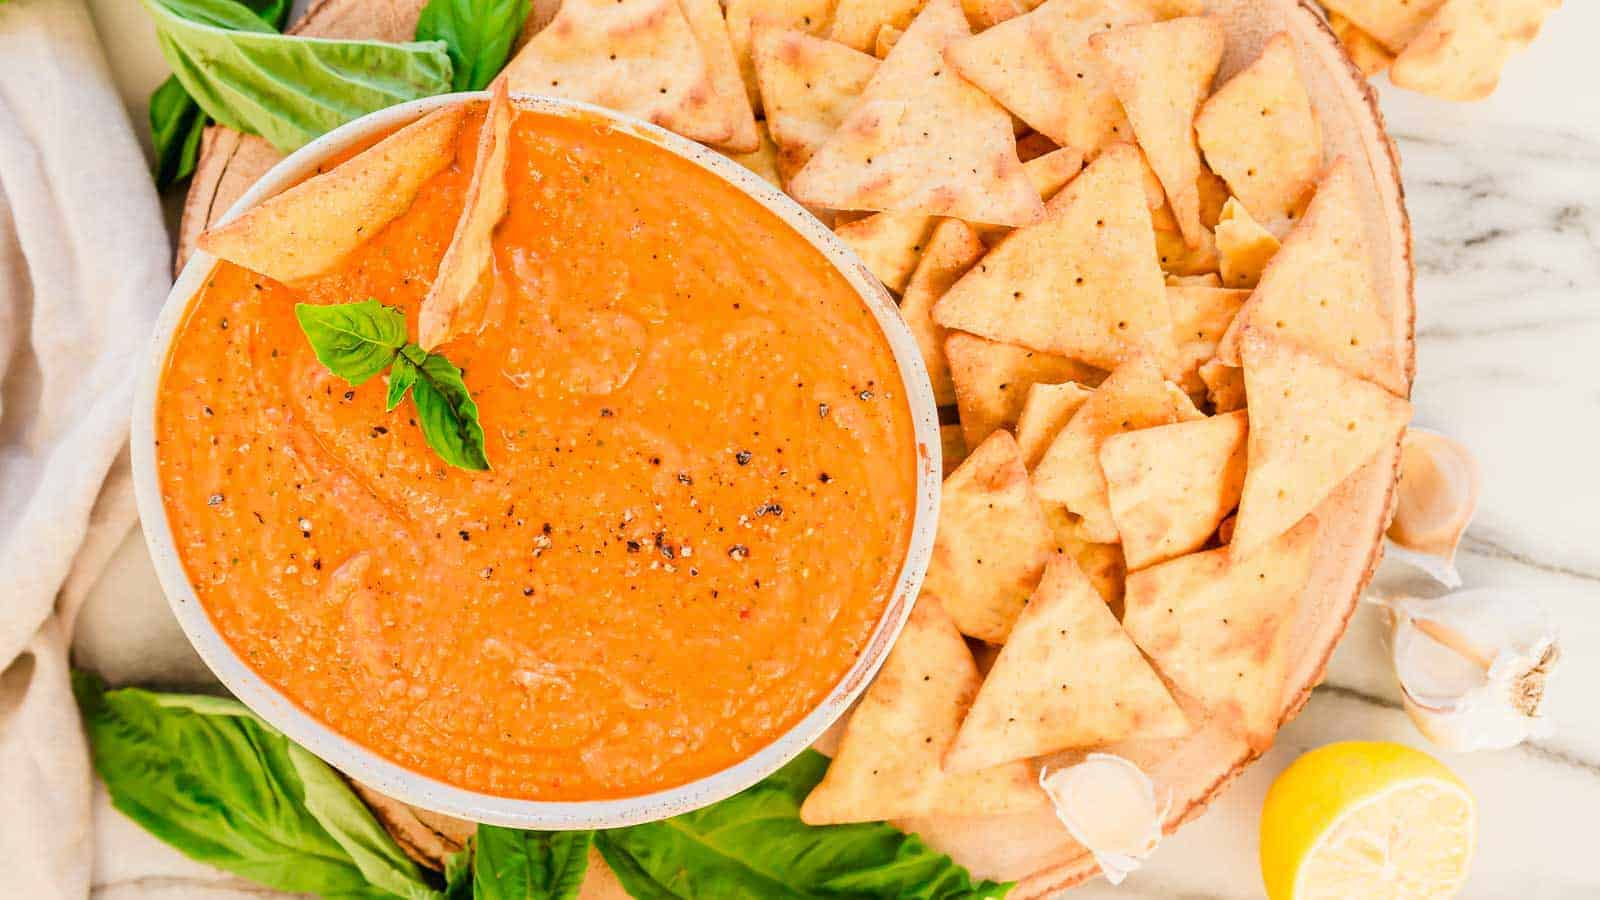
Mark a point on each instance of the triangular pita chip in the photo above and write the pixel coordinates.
(456, 302)
(1161, 72)
(1318, 290)
(1393, 23)
(889, 762)
(992, 541)
(952, 446)
(1224, 385)
(1084, 283)
(923, 139)
(1370, 56)
(1171, 486)
(1134, 397)
(806, 16)
(308, 228)
(890, 243)
(1311, 425)
(711, 32)
(1243, 247)
(1200, 316)
(807, 86)
(1045, 411)
(1068, 677)
(764, 161)
(640, 57)
(1458, 55)
(992, 380)
(1259, 133)
(1039, 67)
(952, 249)
(1219, 627)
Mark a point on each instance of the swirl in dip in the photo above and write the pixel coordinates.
(701, 497)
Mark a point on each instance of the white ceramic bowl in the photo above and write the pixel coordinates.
(430, 793)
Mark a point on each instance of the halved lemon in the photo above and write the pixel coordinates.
(1368, 820)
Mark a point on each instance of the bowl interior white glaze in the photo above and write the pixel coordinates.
(412, 787)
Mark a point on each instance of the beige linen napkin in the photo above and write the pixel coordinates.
(83, 271)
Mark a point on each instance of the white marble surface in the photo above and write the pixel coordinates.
(1505, 203)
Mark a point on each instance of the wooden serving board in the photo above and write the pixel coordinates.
(1034, 849)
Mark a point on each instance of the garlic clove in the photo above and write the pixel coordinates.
(1438, 493)
(1109, 805)
(1473, 666)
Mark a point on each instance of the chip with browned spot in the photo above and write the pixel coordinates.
(1084, 283)
(807, 86)
(1259, 133)
(1135, 396)
(1161, 71)
(1218, 627)
(645, 58)
(1038, 699)
(890, 759)
(1170, 486)
(1311, 425)
(992, 380)
(992, 541)
(308, 228)
(923, 139)
(1319, 289)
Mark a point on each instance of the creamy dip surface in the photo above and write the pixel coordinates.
(702, 491)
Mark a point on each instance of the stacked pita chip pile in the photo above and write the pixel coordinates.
(1146, 303)
(1450, 49)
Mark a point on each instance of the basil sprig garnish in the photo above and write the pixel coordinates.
(359, 340)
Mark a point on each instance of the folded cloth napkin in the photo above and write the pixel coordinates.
(83, 272)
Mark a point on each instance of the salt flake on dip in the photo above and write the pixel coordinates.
(1109, 805)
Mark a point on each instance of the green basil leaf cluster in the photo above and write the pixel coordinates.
(177, 123)
(359, 340)
(288, 89)
(477, 33)
(513, 865)
(206, 776)
(754, 845)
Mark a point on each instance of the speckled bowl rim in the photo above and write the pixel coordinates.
(412, 787)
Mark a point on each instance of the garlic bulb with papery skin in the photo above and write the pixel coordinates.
(1109, 805)
(1437, 495)
(1473, 666)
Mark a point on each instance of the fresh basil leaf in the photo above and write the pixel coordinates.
(206, 776)
(401, 377)
(478, 34)
(354, 340)
(177, 123)
(754, 845)
(348, 821)
(445, 410)
(286, 88)
(512, 865)
(176, 126)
